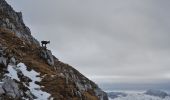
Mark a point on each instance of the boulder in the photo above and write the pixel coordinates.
(3, 61)
(1, 89)
(13, 61)
(47, 55)
(11, 88)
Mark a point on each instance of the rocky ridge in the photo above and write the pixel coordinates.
(28, 71)
(13, 21)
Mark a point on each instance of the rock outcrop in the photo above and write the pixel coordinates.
(10, 88)
(28, 71)
(47, 55)
(12, 21)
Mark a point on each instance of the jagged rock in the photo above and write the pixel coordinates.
(11, 88)
(3, 61)
(47, 55)
(13, 21)
(30, 95)
(22, 77)
(80, 86)
(13, 61)
(1, 89)
(78, 93)
(1, 52)
(102, 95)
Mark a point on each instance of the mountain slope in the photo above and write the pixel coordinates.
(29, 71)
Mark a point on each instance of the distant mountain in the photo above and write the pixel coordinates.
(30, 72)
(157, 93)
(148, 95)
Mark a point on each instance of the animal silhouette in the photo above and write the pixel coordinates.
(44, 43)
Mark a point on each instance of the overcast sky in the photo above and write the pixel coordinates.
(110, 41)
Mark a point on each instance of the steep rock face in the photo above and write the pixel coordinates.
(28, 71)
(12, 21)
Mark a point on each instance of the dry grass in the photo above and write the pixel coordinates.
(90, 97)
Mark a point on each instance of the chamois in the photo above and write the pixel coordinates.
(44, 43)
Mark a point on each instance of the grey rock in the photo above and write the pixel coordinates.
(1, 89)
(50, 57)
(3, 61)
(13, 21)
(1, 53)
(13, 61)
(47, 55)
(11, 88)
(30, 95)
(80, 86)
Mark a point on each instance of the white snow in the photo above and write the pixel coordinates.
(12, 72)
(34, 88)
(140, 96)
(33, 75)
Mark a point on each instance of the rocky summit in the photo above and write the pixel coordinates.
(29, 71)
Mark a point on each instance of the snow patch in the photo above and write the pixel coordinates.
(33, 75)
(34, 88)
(12, 72)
